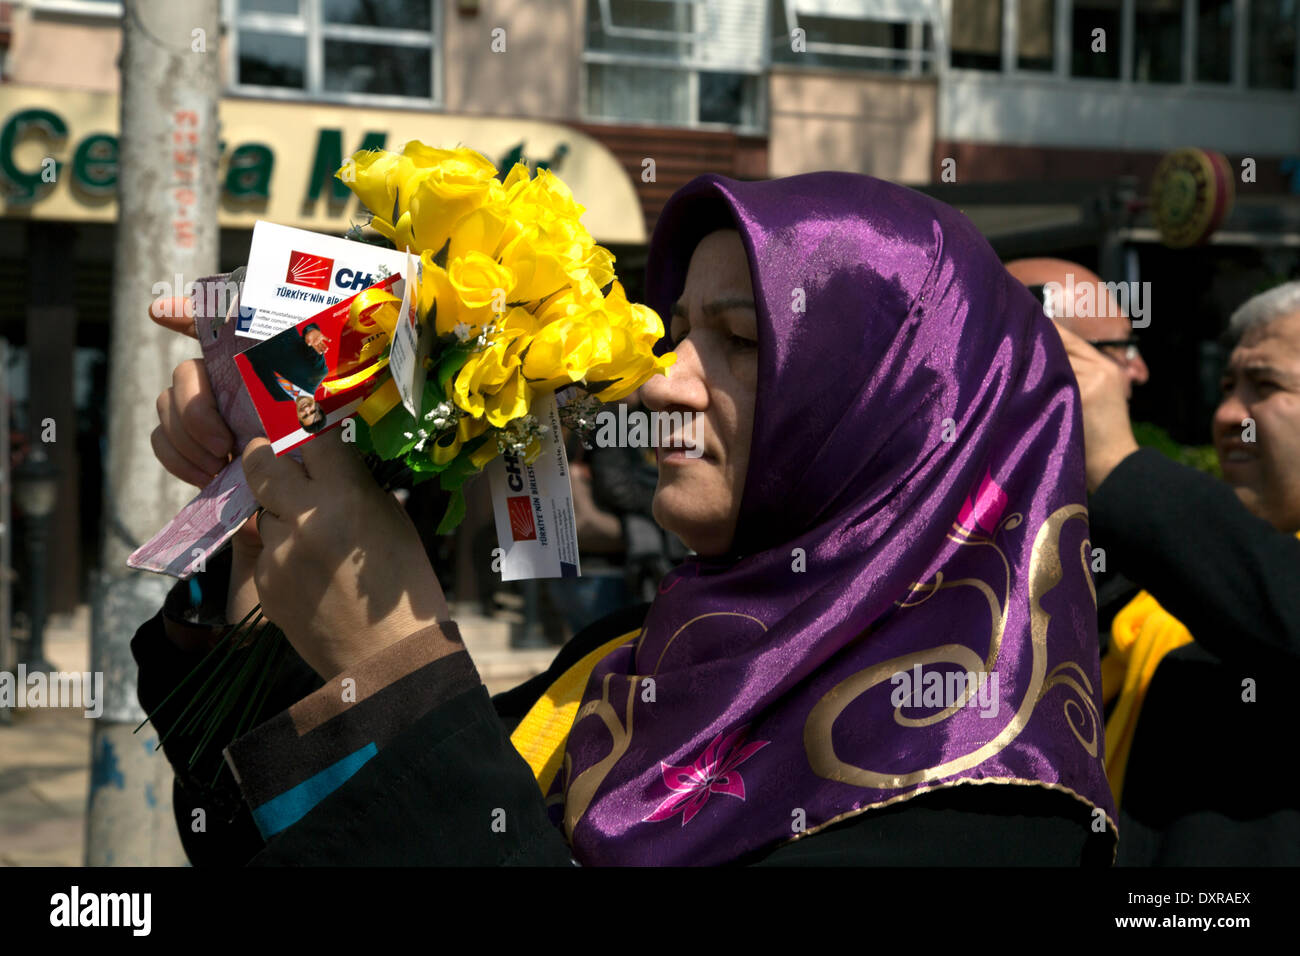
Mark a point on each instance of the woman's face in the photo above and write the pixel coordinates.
(714, 329)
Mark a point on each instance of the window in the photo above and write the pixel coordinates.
(1158, 41)
(845, 34)
(684, 62)
(1214, 41)
(336, 49)
(1037, 33)
(977, 34)
(1095, 40)
(1270, 59)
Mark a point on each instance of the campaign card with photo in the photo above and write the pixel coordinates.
(287, 374)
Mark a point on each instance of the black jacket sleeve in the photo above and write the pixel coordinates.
(1186, 538)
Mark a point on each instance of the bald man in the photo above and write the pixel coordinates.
(1111, 334)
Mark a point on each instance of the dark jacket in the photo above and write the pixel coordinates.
(1205, 780)
(289, 354)
(422, 772)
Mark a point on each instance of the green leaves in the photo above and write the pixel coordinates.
(449, 363)
(389, 435)
(455, 513)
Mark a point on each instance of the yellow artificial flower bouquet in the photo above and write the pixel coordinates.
(519, 299)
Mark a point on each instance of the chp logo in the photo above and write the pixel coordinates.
(309, 270)
(520, 508)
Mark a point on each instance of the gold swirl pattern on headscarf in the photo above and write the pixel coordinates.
(1045, 572)
(578, 793)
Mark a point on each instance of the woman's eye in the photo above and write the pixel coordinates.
(740, 342)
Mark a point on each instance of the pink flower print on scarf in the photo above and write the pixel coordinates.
(983, 510)
(714, 771)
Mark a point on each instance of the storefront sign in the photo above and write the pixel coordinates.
(59, 157)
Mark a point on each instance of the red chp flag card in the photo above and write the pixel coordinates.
(287, 374)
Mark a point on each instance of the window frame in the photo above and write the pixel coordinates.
(106, 9)
(1187, 85)
(688, 65)
(309, 23)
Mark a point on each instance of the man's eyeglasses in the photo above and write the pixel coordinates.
(1121, 350)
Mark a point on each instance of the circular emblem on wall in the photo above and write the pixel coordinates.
(1191, 194)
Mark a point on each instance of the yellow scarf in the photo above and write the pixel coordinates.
(1141, 635)
(542, 734)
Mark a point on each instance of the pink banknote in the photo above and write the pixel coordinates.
(205, 524)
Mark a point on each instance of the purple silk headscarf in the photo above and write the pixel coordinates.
(913, 511)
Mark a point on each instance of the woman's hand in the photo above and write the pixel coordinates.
(193, 442)
(342, 571)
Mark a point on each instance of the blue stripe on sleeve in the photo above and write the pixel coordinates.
(288, 808)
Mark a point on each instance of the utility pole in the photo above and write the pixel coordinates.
(167, 226)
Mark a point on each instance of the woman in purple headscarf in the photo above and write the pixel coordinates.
(884, 647)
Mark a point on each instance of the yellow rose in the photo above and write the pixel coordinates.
(487, 371)
(632, 367)
(538, 269)
(487, 230)
(417, 196)
(437, 296)
(481, 281)
(509, 402)
(368, 173)
(562, 351)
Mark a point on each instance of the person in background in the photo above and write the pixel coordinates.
(1203, 663)
(1112, 335)
(291, 366)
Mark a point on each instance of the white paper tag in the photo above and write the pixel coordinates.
(533, 506)
(406, 358)
(293, 274)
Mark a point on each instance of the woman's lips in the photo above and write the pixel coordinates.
(678, 455)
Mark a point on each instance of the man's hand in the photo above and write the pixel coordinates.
(193, 442)
(1107, 432)
(342, 571)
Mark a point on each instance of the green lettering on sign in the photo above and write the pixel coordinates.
(329, 157)
(249, 174)
(94, 164)
(25, 187)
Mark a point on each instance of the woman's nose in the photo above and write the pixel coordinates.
(682, 386)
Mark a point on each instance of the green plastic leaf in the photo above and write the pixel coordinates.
(388, 435)
(455, 513)
(461, 468)
(449, 363)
